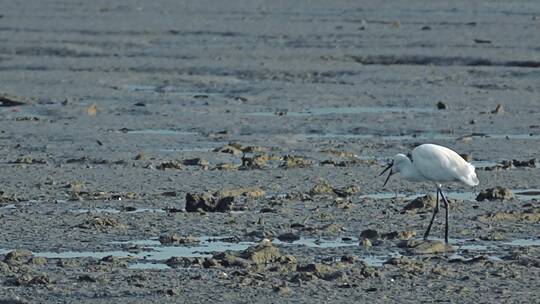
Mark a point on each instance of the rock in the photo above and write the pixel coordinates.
(179, 262)
(87, 278)
(531, 163)
(425, 247)
(401, 235)
(304, 277)
(499, 109)
(12, 100)
(249, 192)
(317, 268)
(369, 234)
(196, 162)
(208, 202)
(228, 259)
(29, 280)
(497, 193)
(527, 216)
(423, 203)
(321, 188)
(442, 106)
(349, 259)
(38, 261)
(263, 253)
(494, 236)
(92, 110)
(29, 160)
(366, 243)
(347, 191)
(5, 269)
(175, 238)
(114, 261)
(211, 262)
(18, 257)
(98, 223)
(288, 237)
(229, 149)
(170, 165)
(398, 261)
(283, 288)
(295, 162)
(227, 166)
(255, 162)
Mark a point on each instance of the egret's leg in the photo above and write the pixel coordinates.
(435, 211)
(446, 206)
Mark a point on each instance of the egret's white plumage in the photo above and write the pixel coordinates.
(436, 164)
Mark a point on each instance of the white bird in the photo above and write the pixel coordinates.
(436, 164)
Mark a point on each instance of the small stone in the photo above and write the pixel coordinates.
(288, 237)
(497, 193)
(18, 257)
(170, 165)
(39, 261)
(91, 110)
(423, 203)
(499, 109)
(369, 234)
(321, 188)
(425, 247)
(366, 243)
(442, 106)
(263, 253)
(295, 162)
(197, 162)
(402, 235)
(347, 191)
(349, 259)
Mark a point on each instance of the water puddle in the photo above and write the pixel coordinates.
(153, 254)
(116, 211)
(342, 111)
(166, 89)
(520, 194)
(160, 132)
(524, 242)
(186, 149)
(417, 136)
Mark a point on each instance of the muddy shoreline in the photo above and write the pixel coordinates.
(271, 122)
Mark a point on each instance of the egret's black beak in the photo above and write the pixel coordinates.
(389, 167)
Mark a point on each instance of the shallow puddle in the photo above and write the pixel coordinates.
(341, 111)
(160, 132)
(115, 211)
(166, 89)
(153, 254)
(419, 136)
(520, 194)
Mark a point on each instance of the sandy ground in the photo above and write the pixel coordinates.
(119, 115)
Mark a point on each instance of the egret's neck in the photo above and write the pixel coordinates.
(409, 171)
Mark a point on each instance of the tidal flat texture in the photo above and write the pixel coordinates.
(229, 151)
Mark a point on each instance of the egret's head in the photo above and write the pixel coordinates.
(396, 166)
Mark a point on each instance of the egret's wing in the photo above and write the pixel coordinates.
(441, 164)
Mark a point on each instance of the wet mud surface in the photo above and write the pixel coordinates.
(209, 152)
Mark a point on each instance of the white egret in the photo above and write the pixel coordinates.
(436, 164)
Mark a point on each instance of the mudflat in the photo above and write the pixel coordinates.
(229, 151)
